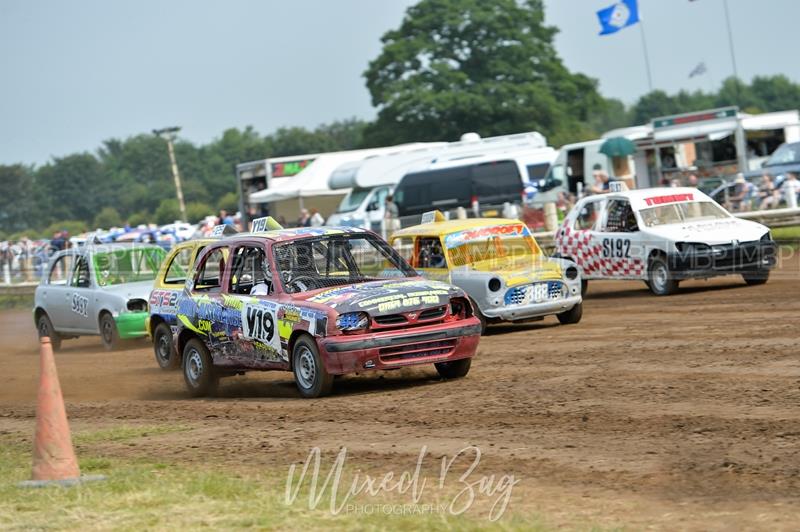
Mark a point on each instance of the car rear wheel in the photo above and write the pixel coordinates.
(455, 369)
(572, 315)
(166, 356)
(756, 278)
(660, 279)
(45, 328)
(108, 332)
(198, 369)
(310, 375)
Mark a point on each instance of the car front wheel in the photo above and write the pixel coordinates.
(756, 278)
(108, 332)
(572, 315)
(660, 279)
(310, 376)
(455, 369)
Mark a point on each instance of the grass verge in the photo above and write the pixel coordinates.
(151, 494)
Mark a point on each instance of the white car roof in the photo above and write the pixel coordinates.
(642, 198)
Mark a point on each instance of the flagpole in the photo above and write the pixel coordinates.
(730, 38)
(646, 58)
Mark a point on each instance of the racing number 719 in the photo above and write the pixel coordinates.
(617, 247)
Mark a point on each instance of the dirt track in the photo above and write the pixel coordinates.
(678, 411)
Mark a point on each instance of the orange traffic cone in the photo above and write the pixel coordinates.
(53, 456)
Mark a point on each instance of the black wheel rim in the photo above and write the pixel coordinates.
(194, 367)
(108, 330)
(163, 349)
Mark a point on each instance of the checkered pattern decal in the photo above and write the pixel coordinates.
(578, 245)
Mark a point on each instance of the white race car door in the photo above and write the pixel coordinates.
(575, 237)
(618, 243)
(83, 316)
(56, 295)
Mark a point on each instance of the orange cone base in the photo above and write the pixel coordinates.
(64, 482)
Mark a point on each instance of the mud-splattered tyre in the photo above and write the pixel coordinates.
(455, 369)
(660, 279)
(310, 375)
(164, 350)
(478, 314)
(108, 332)
(198, 369)
(756, 278)
(572, 315)
(45, 328)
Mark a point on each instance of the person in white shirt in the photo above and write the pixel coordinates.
(790, 189)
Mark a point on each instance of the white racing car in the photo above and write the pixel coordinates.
(662, 236)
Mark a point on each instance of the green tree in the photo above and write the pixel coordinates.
(776, 93)
(72, 227)
(167, 212)
(72, 188)
(196, 211)
(471, 65)
(17, 204)
(107, 217)
(229, 202)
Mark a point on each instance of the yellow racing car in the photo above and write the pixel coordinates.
(498, 263)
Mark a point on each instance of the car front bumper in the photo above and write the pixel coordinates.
(532, 310)
(131, 325)
(442, 342)
(747, 257)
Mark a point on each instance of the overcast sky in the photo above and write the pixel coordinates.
(77, 72)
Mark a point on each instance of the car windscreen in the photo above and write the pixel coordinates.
(494, 252)
(127, 264)
(690, 211)
(785, 154)
(334, 260)
(353, 200)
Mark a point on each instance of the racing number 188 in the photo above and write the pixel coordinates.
(617, 247)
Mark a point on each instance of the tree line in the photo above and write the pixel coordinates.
(450, 67)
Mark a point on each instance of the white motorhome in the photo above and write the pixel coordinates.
(372, 179)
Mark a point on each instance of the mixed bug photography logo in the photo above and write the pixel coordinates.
(456, 486)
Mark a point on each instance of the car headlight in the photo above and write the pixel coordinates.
(137, 305)
(571, 273)
(692, 247)
(352, 321)
(495, 284)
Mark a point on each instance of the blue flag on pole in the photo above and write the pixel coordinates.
(618, 16)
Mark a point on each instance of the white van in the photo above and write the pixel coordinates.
(374, 178)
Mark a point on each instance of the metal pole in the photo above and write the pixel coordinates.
(730, 39)
(646, 58)
(168, 134)
(177, 177)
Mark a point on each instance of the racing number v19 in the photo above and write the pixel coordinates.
(259, 324)
(617, 247)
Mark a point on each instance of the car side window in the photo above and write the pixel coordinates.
(210, 272)
(250, 273)
(620, 217)
(587, 216)
(80, 275)
(179, 268)
(429, 253)
(405, 247)
(61, 270)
